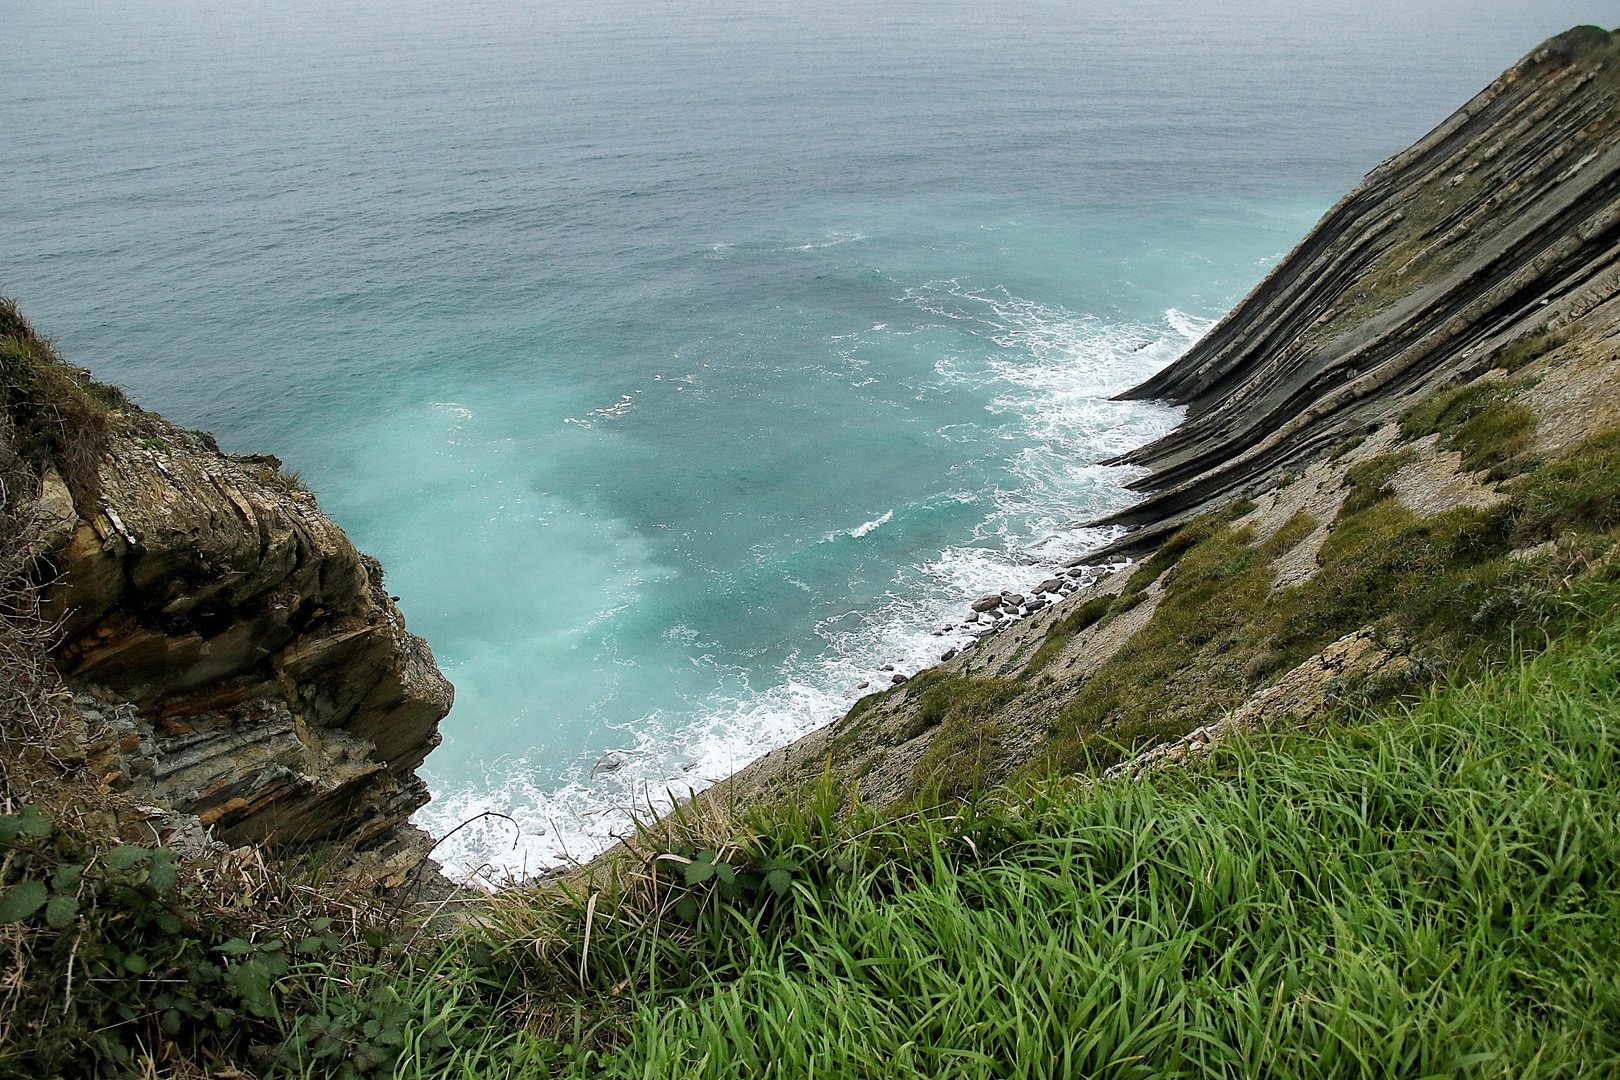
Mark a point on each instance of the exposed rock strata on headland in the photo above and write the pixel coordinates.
(1502, 223)
(1446, 339)
(232, 655)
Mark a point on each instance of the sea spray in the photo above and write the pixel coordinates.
(1045, 370)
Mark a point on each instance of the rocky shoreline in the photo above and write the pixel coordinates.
(234, 669)
(1449, 326)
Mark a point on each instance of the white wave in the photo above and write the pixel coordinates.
(1051, 374)
(834, 240)
(861, 530)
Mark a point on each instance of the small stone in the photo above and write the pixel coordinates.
(948, 654)
(1014, 599)
(862, 686)
(1078, 572)
(886, 667)
(1050, 585)
(898, 679)
(985, 603)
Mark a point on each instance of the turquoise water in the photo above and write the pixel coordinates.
(685, 363)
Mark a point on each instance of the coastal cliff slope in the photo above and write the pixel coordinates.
(1396, 448)
(237, 669)
(1501, 224)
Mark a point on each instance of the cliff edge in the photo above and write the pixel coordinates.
(1500, 225)
(236, 667)
(1398, 450)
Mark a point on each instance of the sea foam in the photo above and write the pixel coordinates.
(1049, 374)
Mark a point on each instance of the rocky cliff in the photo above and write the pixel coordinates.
(236, 665)
(1501, 225)
(1396, 449)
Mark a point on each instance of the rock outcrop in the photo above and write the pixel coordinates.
(1401, 442)
(1499, 227)
(232, 654)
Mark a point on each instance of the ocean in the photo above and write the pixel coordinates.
(685, 364)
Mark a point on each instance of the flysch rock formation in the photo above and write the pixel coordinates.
(1502, 223)
(237, 665)
(1492, 243)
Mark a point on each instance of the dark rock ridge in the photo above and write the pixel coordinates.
(233, 655)
(1442, 352)
(1501, 223)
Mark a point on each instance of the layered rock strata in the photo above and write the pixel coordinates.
(232, 654)
(1483, 265)
(1501, 224)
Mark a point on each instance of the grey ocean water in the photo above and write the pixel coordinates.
(685, 362)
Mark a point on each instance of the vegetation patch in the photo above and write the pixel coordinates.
(1480, 420)
(967, 713)
(1347, 447)
(58, 415)
(1530, 348)
(1369, 481)
(1444, 588)
(1578, 493)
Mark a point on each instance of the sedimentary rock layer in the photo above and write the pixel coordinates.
(234, 655)
(1473, 279)
(1502, 223)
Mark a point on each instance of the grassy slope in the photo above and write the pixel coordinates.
(1434, 890)
(1451, 591)
(1432, 894)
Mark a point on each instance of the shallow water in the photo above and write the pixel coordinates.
(684, 363)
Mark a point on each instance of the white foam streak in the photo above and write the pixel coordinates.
(1050, 374)
(861, 530)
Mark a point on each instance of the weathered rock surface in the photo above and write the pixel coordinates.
(1493, 243)
(1502, 223)
(235, 657)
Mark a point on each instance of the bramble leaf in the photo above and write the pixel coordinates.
(162, 874)
(701, 869)
(22, 900)
(61, 911)
(126, 856)
(33, 824)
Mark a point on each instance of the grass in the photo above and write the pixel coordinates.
(1480, 420)
(1430, 890)
(58, 415)
(1431, 895)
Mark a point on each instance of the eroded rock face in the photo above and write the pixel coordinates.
(1500, 225)
(275, 691)
(1484, 258)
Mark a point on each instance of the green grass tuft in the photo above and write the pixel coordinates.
(1480, 420)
